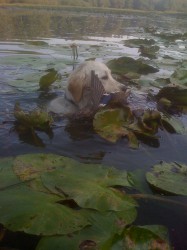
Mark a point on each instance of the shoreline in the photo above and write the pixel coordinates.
(84, 9)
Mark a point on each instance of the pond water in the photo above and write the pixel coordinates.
(33, 41)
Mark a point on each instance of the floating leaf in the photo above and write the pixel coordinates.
(31, 166)
(7, 176)
(177, 95)
(124, 65)
(149, 51)
(112, 124)
(138, 181)
(164, 177)
(173, 125)
(22, 209)
(90, 186)
(49, 78)
(100, 235)
(180, 75)
(133, 141)
(149, 122)
(151, 237)
(109, 123)
(139, 42)
(170, 37)
(36, 119)
(37, 43)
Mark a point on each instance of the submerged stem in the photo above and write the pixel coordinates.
(158, 198)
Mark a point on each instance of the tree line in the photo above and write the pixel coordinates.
(158, 5)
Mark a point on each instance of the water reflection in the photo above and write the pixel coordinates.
(29, 24)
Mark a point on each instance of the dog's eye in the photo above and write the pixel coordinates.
(104, 77)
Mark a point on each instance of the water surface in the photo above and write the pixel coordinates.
(33, 41)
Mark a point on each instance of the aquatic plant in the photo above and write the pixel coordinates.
(72, 205)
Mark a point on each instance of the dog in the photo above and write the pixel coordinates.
(79, 93)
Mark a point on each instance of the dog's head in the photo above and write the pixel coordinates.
(106, 78)
(80, 80)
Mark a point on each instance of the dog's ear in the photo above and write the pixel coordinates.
(75, 87)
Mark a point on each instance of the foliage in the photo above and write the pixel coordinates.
(49, 78)
(22, 209)
(113, 124)
(36, 119)
(47, 182)
(60, 209)
(139, 42)
(177, 95)
(180, 75)
(151, 237)
(169, 177)
(129, 66)
(90, 187)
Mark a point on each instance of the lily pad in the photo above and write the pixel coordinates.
(90, 186)
(22, 209)
(7, 176)
(180, 75)
(136, 43)
(29, 167)
(149, 51)
(36, 119)
(109, 124)
(170, 37)
(37, 43)
(173, 125)
(101, 235)
(124, 65)
(152, 237)
(176, 95)
(164, 177)
(48, 79)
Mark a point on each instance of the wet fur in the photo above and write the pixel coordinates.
(78, 93)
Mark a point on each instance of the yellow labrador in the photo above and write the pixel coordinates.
(78, 94)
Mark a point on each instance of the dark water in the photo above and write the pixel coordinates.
(23, 60)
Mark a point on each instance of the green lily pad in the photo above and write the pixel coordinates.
(36, 119)
(112, 124)
(180, 75)
(124, 65)
(90, 186)
(48, 79)
(137, 180)
(149, 51)
(136, 43)
(7, 176)
(176, 95)
(101, 235)
(164, 177)
(29, 167)
(109, 123)
(37, 43)
(152, 237)
(170, 37)
(173, 125)
(22, 209)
